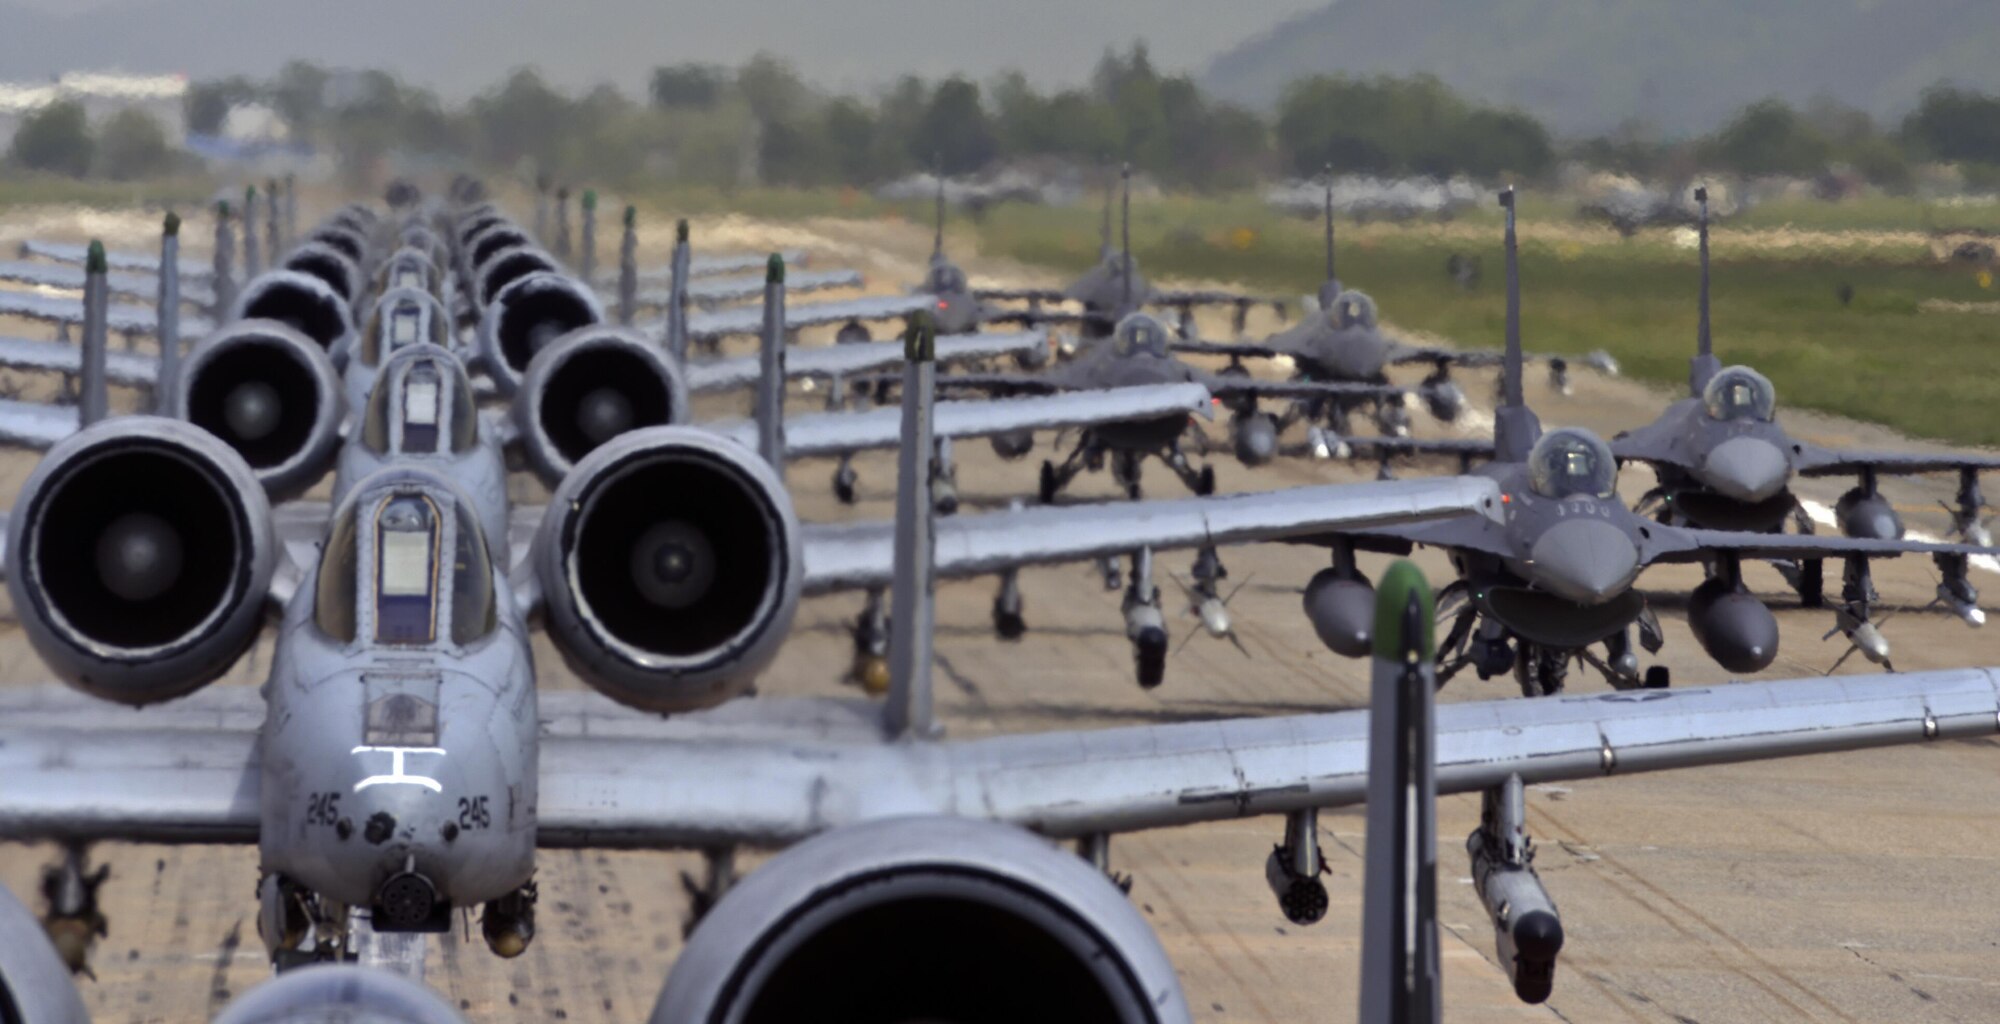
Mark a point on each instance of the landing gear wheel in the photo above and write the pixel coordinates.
(1150, 651)
(1657, 677)
(843, 487)
(1205, 483)
(1049, 485)
(1132, 490)
(1009, 626)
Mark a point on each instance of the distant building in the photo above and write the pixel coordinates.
(102, 94)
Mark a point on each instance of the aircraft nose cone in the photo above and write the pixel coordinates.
(251, 410)
(1585, 560)
(1746, 468)
(139, 557)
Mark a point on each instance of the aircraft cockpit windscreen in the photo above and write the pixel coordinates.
(420, 405)
(1351, 309)
(1566, 463)
(406, 570)
(401, 318)
(1140, 334)
(1740, 393)
(946, 278)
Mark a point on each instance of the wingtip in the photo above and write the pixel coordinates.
(590, 199)
(774, 269)
(95, 262)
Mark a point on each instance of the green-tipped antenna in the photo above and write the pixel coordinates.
(1511, 373)
(94, 263)
(774, 269)
(249, 194)
(1403, 583)
(590, 199)
(631, 216)
(172, 225)
(681, 230)
(222, 208)
(1704, 365)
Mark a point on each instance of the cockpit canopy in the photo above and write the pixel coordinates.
(384, 574)
(1570, 462)
(1351, 309)
(408, 267)
(1140, 334)
(403, 317)
(1739, 393)
(944, 278)
(421, 404)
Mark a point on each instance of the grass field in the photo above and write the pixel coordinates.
(1883, 358)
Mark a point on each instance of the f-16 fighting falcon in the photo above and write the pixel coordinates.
(1345, 344)
(1723, 462)
(1537, 589)
(394, 760)
(1115, 287)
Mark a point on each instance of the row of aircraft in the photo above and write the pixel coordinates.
(399, 765)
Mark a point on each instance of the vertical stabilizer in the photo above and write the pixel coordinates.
(677, 306)
(1104, 249)
(1399, 936)
(909, 711)
(274, 221)
(1515, 428)
(224, 276)
(587, 268)
(937, 242)
(628, 268)
(562, 224)
(1329, 289)
(253, 256)
(94, 403)
(167, 311)
(1125, 242)
(771, 368)
(1704, 364)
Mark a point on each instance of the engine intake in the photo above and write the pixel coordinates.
(271, 394)
(670, 568)
(526, 317)
(589, 387)
(140, 553)
(331, 264)
(329, 992)
(850, 926)
(300, 301)
(509, 266)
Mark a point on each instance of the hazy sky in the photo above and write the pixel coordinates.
(851, 44)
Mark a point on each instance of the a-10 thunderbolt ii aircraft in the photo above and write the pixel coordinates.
(1555, 575)
(404, 770)
(1723, 462)
(1115, 286)
(1345, 343)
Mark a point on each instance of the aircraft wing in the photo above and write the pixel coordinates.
(1849, 462)
(855, 555)
(1234, 350)
(131, 369)
(838, 433)
(35, 425)
(600, 781)
(144, 263)
(1224, 385)
(727, 263)
(1670, 544)
(125, 283)
(1179, 297)
(1403, 355)
(851, 359)
(124, 319)
(1021, 294)
(749, 286)
(750, 319)
(778, 771)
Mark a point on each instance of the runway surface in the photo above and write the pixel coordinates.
(1844, 888)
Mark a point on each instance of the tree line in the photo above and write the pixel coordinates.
(760, 122)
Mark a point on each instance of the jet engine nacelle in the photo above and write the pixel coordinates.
(495, 239)
(1013, 444)
(528, 316)
(1865, 513)
(343, 992)
(139, 556)
(1255, 437)
(304, 303)
(271, 394)
(589, 387)
(923, 918)
(1444, 398)
(330, 264)
(1341, 607)
(670, 564)
(507, 267)
(1733, 626)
